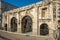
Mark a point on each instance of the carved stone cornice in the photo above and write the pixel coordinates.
(44, 20)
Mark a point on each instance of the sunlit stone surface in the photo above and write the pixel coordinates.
(40, 19)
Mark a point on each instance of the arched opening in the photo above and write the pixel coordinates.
(13, 24)
(44, 29)
(58, 33)
(5, 27)
(26, 24)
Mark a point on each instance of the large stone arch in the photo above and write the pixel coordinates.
(44, 30)
(13, 24)
(26, 24)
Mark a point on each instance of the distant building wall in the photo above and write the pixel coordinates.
(4, 6)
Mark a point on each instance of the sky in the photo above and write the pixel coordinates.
(21, 3)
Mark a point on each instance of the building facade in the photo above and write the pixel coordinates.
(4, 6)
(42, 19)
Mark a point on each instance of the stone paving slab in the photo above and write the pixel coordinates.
(3, 38)
(16, 36)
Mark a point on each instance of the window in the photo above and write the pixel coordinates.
(54, 11)
(58, 16)
(58, 21)
(59, 8)
(54, 16)
(59, 13)
(9, 8)
(43, 12)
(4, 6)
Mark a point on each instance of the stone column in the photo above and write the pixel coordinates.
(19, 23)
(8, 23)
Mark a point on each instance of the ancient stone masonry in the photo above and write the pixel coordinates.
(36, 19)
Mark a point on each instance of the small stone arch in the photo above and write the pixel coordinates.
(26, 24)
(5, 26)
(13, 24)
(44, 30)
